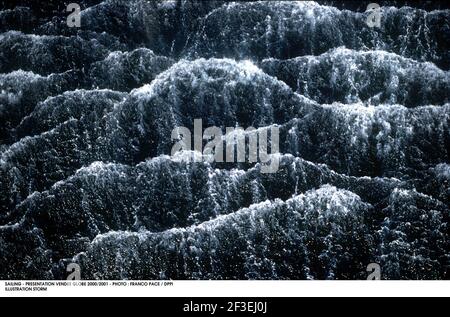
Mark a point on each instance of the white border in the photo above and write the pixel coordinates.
(244, 289)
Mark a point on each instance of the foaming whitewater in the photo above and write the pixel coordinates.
(373, 77)
(284, 29)
(87, 173)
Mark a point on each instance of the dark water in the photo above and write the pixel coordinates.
(85, 137)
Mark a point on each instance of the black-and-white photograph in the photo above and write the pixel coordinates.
(219, 140)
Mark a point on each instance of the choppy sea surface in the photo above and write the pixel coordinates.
(86, 116)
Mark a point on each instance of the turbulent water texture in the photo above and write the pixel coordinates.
(86, 116)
